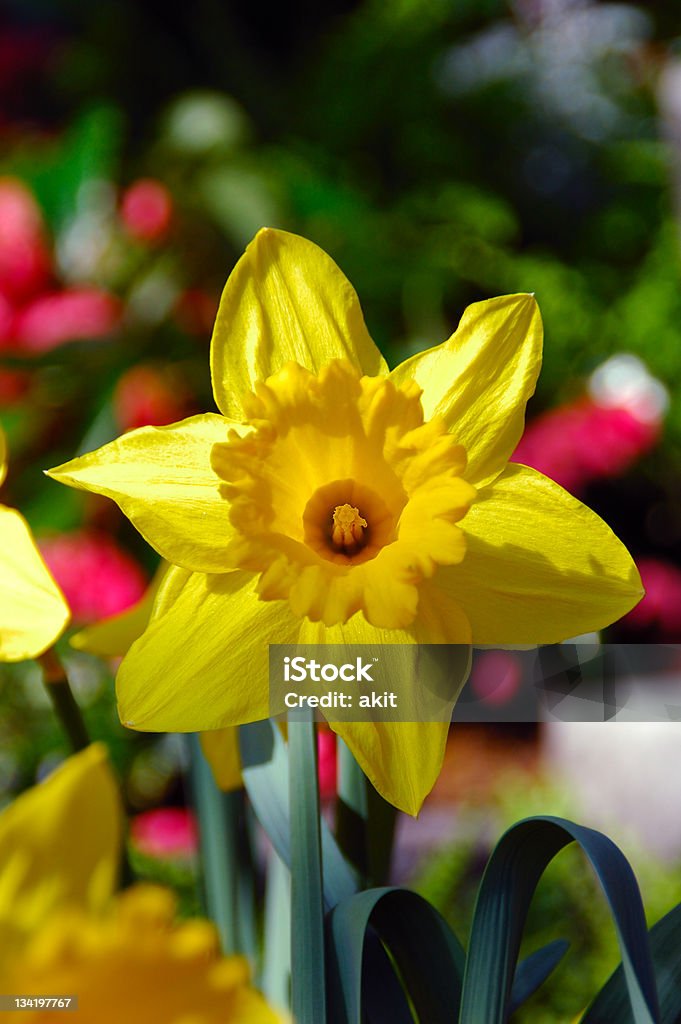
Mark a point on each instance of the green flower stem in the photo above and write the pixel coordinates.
(247, 923)
(64, 703)
(67, 711)
(352, 811)
(365, 822)
(308, 993)
(218, 815)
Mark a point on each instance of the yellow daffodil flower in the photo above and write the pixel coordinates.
(333, 501)
(113, 637)
(60, 846)
(63, 932)
(33, 611)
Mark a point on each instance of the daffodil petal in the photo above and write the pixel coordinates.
(221, 750)
(285, 300)
(540, 566)
(60, 844)
(33, 612)
(115, 636)
(112, 637)
(479, 380)
(402, 760)
(162, 479)
(203, 662)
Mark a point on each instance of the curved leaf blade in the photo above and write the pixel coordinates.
(428, 955)
(612, 1002)
(265, 771)
(507, 887)
(533, 971)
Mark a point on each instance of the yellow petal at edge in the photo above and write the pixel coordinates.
(540, 566)
(162, 479)
(285, 300)
(203, 661)
(403, 759)
(479, 380)
(112, 637)
(33, 612)
(60, 844)
(221, 750)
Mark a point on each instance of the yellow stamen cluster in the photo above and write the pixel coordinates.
(348, 528)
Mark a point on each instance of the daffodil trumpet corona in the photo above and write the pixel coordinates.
(334, 501)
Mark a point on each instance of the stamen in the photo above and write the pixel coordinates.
(348, 528)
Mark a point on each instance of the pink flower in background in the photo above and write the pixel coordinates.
(165, 833)
(25, 264)
(326, 753)
(496, 677)
(660, 608)
(581, 442)
(69, 315)
(601, 434)
(35, 314)
(147, 210)
(98, 577)
(149, 395)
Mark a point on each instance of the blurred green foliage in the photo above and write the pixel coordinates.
(440, 152)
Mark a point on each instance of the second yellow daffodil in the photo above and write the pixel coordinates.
(333, 501)
(33, 611)
(64, 931)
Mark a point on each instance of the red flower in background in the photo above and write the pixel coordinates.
(151, 395)
(97, 577)
(326, 762)
(660, 608)
(25, 262)
(496, 677)
(147, 210)
(578, 443)
(165, 833)
(602, 434)
(68, 315)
